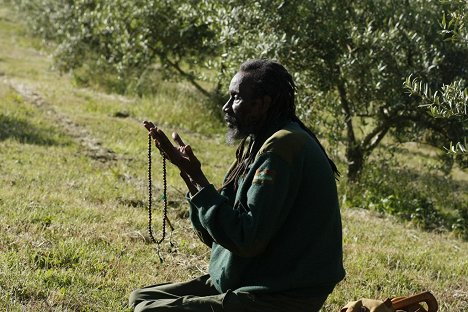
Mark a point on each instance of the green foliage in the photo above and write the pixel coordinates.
(410, 195)
(358, 55)
(124, 38)
(454, 21)
(450, 102)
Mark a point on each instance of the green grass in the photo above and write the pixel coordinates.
(73, 225)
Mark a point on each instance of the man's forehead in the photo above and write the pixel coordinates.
(241, 82)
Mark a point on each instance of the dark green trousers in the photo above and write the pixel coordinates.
(199, 295)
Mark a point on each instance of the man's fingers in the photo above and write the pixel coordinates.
(163, 140)
(148, 125)
(164, 144)
(190, 154)
(177, 139)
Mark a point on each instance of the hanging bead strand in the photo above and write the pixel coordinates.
(164, 200)
(150, 192)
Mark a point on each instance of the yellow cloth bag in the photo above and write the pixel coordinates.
(400, 304)
(369, 305)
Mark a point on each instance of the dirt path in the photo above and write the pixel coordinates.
(93, 148)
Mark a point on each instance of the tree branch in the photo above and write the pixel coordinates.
(175, 65)
(373, 139)
(187, 76)
(347, 112)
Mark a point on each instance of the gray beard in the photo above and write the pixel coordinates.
(233, 135)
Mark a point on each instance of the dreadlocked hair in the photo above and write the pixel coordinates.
(272, 79)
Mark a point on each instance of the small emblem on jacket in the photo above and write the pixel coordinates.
(264, 176)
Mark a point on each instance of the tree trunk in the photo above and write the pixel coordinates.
(355, 158)
(354, 151)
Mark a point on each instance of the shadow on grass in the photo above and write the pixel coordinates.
(26, 133)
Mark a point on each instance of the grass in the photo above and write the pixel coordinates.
(72, 201)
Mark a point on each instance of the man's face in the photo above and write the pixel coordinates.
(243, 112)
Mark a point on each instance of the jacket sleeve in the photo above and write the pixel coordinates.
(202, 233)
(247, 226)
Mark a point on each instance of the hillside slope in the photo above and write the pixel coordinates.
(72, 200)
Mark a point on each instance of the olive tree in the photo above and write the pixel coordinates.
(128, 37)
(351, 60)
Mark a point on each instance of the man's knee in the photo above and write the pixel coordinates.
(142, 307)
(135, 298)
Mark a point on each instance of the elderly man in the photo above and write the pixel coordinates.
(274, 226)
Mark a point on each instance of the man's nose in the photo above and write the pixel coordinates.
(227, 106)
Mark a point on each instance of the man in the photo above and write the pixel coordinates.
(274, 227)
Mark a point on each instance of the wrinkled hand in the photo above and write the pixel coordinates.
(182, 156)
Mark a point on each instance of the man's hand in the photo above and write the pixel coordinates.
(182, 156)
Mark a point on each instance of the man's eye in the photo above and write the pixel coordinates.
(236, 97)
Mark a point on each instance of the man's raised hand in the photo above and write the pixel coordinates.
(182, 156)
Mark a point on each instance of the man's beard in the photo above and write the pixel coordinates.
(236, 131)
(233, 135)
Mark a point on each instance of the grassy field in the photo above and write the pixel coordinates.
(73, 194)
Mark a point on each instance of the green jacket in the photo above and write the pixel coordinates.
(281, 230)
